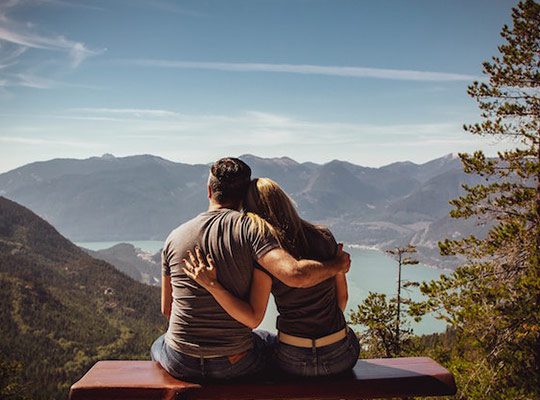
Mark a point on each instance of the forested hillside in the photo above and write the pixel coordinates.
(62, 310)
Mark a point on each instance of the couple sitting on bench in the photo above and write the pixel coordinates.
(219, 269)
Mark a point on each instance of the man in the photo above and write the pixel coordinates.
(202, 340)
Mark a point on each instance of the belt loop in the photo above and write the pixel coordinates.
(202, 366)
(314, 355)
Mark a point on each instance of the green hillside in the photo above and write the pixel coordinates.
(62, 310)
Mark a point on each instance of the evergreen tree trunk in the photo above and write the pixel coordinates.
(536, 259)
(398, 309)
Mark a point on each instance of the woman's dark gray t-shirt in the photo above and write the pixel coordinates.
(198, 324)
(310, 312)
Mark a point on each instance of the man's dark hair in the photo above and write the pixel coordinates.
(229, 180)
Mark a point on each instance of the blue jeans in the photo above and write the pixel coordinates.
(186, 367)
(327, 360)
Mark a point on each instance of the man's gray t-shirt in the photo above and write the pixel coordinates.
(198, 324)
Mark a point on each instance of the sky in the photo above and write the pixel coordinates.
(370, 82)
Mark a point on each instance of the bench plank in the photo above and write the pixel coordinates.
(370, 379)
(108, 380)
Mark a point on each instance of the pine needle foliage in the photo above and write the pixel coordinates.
(493, 299)
(386, 320)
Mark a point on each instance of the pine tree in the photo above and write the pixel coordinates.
(400, 254)
(493, 299)
(386, 320)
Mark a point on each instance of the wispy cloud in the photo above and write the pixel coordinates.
(255, 128)
(136, 112)
(169, 7)
(31, 80)
(49, 142)
(77, 51)
(353, 72)
(446, 141)
(6, 5)
(202, 137)
(26, 80)
(72, 4)
(9, 57)
(18, 38)
(251, 128)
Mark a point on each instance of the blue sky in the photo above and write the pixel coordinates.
(370, 82)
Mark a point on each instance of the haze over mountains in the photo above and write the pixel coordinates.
(144, 197)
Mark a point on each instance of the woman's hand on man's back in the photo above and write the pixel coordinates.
(201, 270)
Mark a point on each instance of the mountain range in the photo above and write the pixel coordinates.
(144, 197)
(136, 263)
(62, 310)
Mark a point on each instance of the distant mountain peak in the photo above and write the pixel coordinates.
(284, 160)
(334, 163)
(108, 156)
(451, 156)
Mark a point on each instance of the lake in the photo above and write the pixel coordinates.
(371, 270)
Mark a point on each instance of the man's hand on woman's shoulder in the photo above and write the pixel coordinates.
(343, 259)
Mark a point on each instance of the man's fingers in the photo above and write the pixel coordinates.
(344, 257)
(348, 258)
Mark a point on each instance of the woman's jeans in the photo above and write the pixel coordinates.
(327, 360)
(183, 366)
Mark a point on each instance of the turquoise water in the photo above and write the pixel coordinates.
(374, 271)
(371, 270)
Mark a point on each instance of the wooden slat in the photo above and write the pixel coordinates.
(376, 378)
(128, 380)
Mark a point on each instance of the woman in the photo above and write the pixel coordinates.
(313, 337)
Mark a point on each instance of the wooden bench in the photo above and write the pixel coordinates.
(370, 379)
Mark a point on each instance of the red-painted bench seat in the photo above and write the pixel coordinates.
(370, 379)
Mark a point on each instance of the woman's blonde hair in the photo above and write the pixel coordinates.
(272, 209)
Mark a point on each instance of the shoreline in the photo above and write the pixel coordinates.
(381, 250)
(357, 246)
